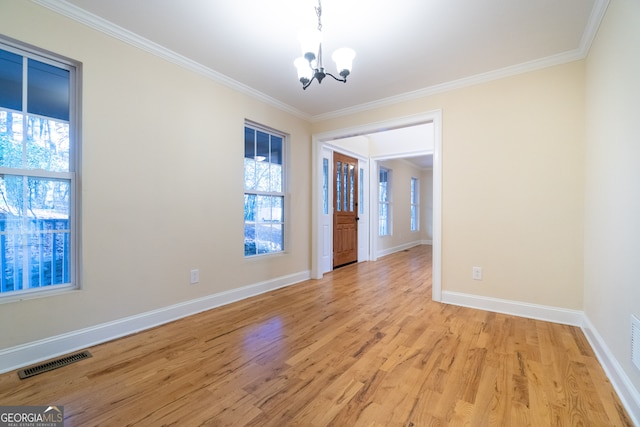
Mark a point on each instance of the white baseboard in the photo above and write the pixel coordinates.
(27, 354)
(628, 394)
(399, 248)
(516, 308)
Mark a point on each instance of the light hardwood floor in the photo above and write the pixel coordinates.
(364, 346)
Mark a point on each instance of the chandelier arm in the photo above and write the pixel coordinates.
(305, 86)
(344, 79)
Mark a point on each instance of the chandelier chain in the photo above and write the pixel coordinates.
(319, 13)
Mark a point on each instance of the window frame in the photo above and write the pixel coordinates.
(72, 176)
(284, 223)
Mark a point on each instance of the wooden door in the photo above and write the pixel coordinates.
(345, 210)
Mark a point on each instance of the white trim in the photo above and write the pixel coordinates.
(436, 260)
(37, 351)
(516, 308)
(389, 251)
(455, 84)
(628, 394)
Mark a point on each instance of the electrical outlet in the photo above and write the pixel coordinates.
(476, 273)
(195, 276)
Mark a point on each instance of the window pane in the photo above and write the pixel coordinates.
(249, 143)
(269, 238)
(47, 144)
(249, 174)
(48, 90)
(338, 186)
(325, 186)
(12, 200)
(263, 209)
(262, 175)
(262, 147)
(384, 196)
(10, 80)
(249, 207)
(249, 239)
(11, 139)
(48, 198)
(414, 222)
(413, 191)
(277, 209)
(345, 192)
(35, 233)
(249, 159)
(276, 150)
(352, 188)
(383, 215)
(275, 177)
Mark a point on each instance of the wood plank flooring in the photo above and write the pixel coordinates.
(364, 346)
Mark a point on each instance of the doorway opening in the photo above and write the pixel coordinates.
(325, 144)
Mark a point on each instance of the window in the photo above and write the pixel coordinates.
(384, 212)
(415, 204)
(38, 149)
(263, 191)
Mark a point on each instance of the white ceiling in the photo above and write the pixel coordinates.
(404, 48)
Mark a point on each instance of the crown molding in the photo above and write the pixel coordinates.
(71, 11)
(93, 21)
(455, 84)
(595, 18)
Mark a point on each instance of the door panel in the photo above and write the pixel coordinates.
(345, 213)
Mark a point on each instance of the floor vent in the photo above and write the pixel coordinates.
(53, 364)
(635, 341)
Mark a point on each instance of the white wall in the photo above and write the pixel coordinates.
(612, 205)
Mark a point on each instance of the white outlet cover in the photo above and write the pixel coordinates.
(195, 276)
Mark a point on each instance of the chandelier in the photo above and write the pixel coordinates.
(310, 64)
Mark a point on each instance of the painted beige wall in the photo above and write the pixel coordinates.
(401, 174)
(512, 185)
(612, 220)
(162, 183)
(513, 181)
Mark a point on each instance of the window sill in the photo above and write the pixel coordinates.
(35, 294)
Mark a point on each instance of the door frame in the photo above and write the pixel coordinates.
(325, 220)
(318, 142)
